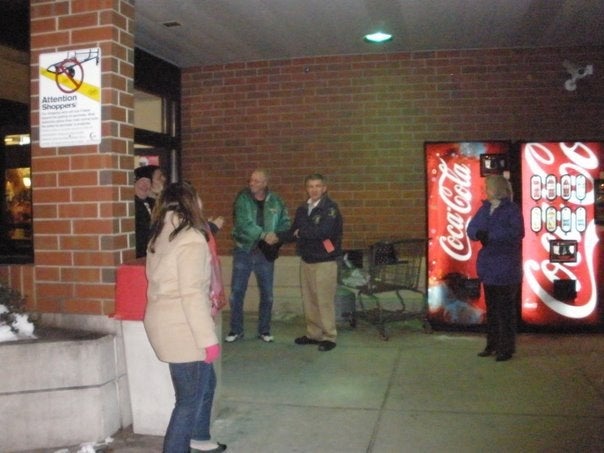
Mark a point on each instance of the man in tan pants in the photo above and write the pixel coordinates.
(317, 230)
(318, 293)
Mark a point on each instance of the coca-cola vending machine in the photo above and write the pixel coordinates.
(562, 248)
(455, 190)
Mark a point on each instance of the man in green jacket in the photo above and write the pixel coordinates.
(258, 214)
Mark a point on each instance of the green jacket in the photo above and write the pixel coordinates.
(246, 231)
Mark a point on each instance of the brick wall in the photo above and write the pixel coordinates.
(83, 208)
(363, 120)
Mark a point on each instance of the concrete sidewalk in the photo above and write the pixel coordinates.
(416, 392)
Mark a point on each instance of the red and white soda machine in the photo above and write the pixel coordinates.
(562, 249)
(455, 173)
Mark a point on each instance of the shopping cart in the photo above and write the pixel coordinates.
(391, 266)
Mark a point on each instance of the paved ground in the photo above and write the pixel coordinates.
(416, 392)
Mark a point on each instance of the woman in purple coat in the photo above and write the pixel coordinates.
(498, 225)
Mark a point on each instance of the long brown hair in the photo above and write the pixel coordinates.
(182, 199)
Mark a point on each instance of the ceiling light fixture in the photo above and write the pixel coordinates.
(378, 38)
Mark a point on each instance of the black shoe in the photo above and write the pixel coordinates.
(305, 340)
(326, 345)
(503, 357)
(486, 353)
(221, 447)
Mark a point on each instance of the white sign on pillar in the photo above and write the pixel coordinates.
(70, 98)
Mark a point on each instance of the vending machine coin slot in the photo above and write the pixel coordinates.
(563, 251)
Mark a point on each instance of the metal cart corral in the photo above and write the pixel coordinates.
(391, 266)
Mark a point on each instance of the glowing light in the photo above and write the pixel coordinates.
(378, 38)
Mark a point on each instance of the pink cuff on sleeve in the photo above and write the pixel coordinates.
(212, 353)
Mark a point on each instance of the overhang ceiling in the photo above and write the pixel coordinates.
(223, 31)
(207, 32)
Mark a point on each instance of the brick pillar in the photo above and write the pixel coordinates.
(83, 209)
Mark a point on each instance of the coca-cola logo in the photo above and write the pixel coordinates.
(579, 161)
(454, 189)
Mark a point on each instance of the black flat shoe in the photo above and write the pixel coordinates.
(486, 353)
(305, 340)
(326, 345)
(221, 447)
(503, 357)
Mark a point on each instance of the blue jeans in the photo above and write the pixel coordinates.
(194, 384)
(244, 263)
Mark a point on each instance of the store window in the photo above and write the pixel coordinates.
(16, 210)
(157, 114)
(149, 112)
(155, 141)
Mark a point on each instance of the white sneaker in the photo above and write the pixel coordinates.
(266, 337)
(232, 336)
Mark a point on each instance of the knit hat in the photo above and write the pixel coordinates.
(146, 171)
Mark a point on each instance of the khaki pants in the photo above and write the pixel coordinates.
(319, 283)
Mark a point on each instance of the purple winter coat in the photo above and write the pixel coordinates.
(500, 260)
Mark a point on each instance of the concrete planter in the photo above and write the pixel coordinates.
(61, 389)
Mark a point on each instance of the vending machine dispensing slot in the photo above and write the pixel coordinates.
(565, 290)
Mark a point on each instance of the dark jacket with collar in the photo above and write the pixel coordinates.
(323, 223)
(142, 223)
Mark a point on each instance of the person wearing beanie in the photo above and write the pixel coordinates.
(145, 171)
(157, 177)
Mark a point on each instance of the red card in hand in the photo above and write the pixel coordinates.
(328, 245)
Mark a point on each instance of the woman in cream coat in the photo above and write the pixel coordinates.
(178, 320)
